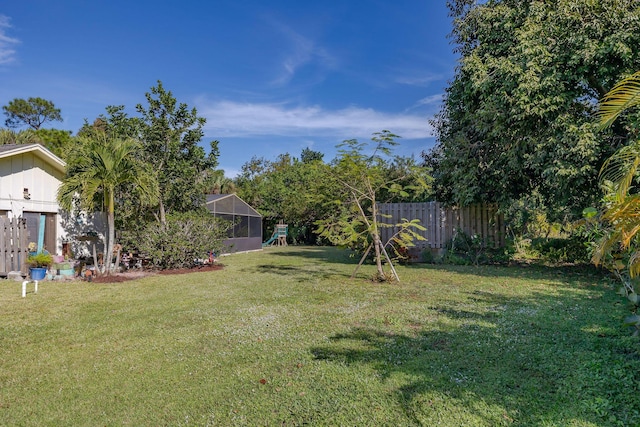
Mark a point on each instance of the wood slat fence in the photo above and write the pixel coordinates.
(13, 245)
(443, 222)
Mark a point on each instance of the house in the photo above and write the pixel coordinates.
(246, 234)
(29, 179)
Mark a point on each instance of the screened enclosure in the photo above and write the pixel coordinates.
(246, 234)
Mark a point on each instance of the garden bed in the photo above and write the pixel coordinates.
(139, 273)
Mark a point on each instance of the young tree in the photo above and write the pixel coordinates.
(355, 221)
(33, 112)
(95, 171)
(171, 134)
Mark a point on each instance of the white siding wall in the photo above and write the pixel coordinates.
(29, 171)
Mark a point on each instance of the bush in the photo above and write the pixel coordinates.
(428, 257)
(572, 250)
(185, 239)
(40, 260)
(473, 250)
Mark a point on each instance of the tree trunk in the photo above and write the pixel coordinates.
(117, 264)
(376, 246)
(96, 269)
(163, 216)
(108, 256)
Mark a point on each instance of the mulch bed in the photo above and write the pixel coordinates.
(137, 274)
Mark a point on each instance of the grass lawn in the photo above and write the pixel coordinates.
(284, 337)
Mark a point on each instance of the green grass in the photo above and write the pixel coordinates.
(284, 337)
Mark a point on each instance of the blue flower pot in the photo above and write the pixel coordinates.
(38, 273)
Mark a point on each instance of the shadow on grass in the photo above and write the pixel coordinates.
(542, 360)
(320, 259)
(570, 273)
(329, 254)
(301, 274)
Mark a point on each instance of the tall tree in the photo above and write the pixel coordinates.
(95, 171)
(59, 142)
(516, 120)
(289, 189)
(218, 183)
(33, 112)
(308, 155)
(171, 133)
(116, 123)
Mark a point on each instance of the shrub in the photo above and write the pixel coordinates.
(427, 256)
(572, 249)
(40, 260)
(185, 239)
(473, 250)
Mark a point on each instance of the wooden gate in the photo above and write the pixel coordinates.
(13, 245)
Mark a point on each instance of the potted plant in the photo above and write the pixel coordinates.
(39, 264)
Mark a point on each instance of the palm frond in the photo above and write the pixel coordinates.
(624, 95)
(634, 264)
(621, 168)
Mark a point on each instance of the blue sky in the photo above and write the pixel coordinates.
(270, 77)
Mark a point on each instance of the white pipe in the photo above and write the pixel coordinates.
(24, 288)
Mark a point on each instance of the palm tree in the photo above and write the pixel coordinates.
(617, 176)
(9, 136)
(217, 183)
(96, 169)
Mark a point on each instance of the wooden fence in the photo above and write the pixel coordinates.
(442, 222)
(13, 245)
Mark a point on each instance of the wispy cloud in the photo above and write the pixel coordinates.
(234, 119)
(421, 80)
(303, 51)
(7, 53)
(428, 101)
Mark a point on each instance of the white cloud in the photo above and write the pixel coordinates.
(7, 53)
(428, 101)
(422, 80)
(234, 119)
(303, 51)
